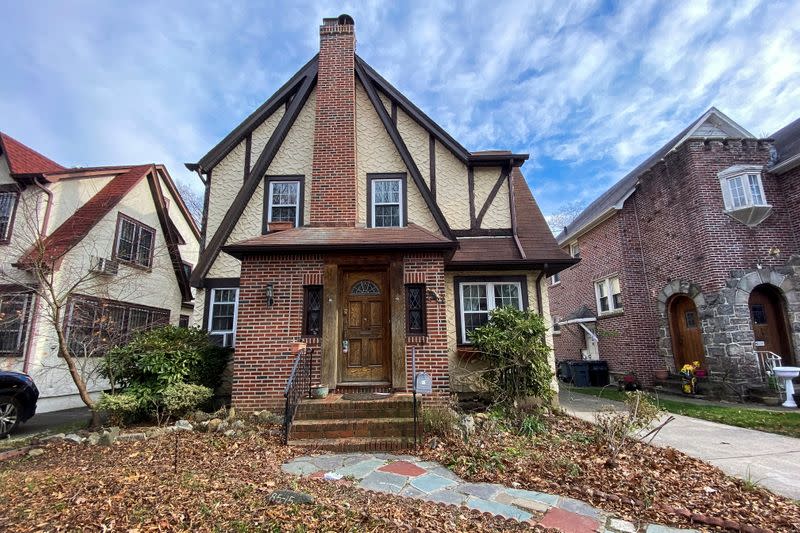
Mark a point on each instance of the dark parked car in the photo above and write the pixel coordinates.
(18, 395)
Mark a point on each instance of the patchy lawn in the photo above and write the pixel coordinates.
(780, 422)
(565, 459)
(220, 484)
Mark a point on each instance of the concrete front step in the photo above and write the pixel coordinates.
(356, 444)
(352, 427)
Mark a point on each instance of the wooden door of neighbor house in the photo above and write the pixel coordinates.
(365, 348)
(769, 322)
(687, 337)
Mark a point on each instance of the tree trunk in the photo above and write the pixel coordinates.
(76, 375)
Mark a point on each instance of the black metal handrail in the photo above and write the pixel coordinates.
(297, 388)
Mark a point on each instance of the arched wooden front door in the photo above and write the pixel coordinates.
(687, 337)
(768, 319)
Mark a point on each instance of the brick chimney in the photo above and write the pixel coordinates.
(333, 183)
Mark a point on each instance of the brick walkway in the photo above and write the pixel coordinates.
(406, 475)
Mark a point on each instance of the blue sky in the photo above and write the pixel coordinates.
(589, 89)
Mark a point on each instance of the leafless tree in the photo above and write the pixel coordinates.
(59, 277)
(564, 215)
(192, 199)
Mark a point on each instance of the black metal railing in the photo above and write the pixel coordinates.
(297, 388)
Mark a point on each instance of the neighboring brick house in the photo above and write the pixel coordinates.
(693, 256)
(339, 214)
(119, 242)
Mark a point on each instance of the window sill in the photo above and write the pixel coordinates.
(131, 264)
(416, 340)
(311, 341)
(557, 284)
(611, 314)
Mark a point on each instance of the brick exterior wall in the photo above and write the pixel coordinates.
(264, 334)
(431, 350)
(673, 235)
(333, 184)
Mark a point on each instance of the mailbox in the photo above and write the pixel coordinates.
(423, 384)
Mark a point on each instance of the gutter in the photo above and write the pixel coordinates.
(37, 299)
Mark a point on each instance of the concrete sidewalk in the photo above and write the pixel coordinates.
(772, 460)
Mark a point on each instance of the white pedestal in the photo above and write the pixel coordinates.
(789, 394)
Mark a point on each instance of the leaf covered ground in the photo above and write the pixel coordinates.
(566, 459)
(220, 484)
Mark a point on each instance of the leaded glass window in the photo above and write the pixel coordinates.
(387, 203)
(415, 309)
(365, 287)
(312, 306)
(284, 199)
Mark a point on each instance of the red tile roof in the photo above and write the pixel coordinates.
(25, 160)
(307, 238)
(78, 225)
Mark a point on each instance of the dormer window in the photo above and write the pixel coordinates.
(387, 202)
(743, 194)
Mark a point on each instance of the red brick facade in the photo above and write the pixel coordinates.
(333, 184)
(673, 235)
(264, 333)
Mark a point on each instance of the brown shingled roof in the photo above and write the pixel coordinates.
(25, 160)
(316, 238)
(539, 247)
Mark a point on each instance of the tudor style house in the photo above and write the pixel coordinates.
(340, 215)
(117, 243)
(693, 256)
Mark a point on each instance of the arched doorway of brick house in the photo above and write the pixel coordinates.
(687, 335)
(768, 319)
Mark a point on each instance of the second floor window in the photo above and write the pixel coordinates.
(609, 295)
(284, 202)
(742, 187)
(575, 250)
(8, 205)
(387, 203)
(555, 279)
(135, 242)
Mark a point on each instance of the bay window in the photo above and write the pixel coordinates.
(743, 194)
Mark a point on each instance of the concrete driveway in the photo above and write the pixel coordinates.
(772, 460)
(53, 422)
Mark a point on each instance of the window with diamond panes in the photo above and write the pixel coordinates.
(387, 203)
(415, 309)
(283, 201)
(312, 305)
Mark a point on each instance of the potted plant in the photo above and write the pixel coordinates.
(661, 374)
(319, 391)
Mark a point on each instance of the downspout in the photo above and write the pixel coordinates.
(539, 290)
(37, 299)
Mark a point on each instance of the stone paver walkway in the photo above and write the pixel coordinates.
(406, 475)
(772, 460)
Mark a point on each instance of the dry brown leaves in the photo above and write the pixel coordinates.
(221, 484)
(566, 461)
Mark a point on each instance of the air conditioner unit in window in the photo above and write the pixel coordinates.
(106, 266)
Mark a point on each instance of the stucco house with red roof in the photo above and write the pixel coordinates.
(120, 235)
(340, 215)
(692, 256)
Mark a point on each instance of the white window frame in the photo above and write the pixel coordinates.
(296, 205)
(212, 303)
(743, 172)
(399, 203)
(606, 284)
(490, 303)
(575, 250)
(555, 279)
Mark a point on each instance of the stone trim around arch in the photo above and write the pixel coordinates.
(673, 288)
(765, 276)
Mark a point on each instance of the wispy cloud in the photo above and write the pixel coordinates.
(589, 89)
